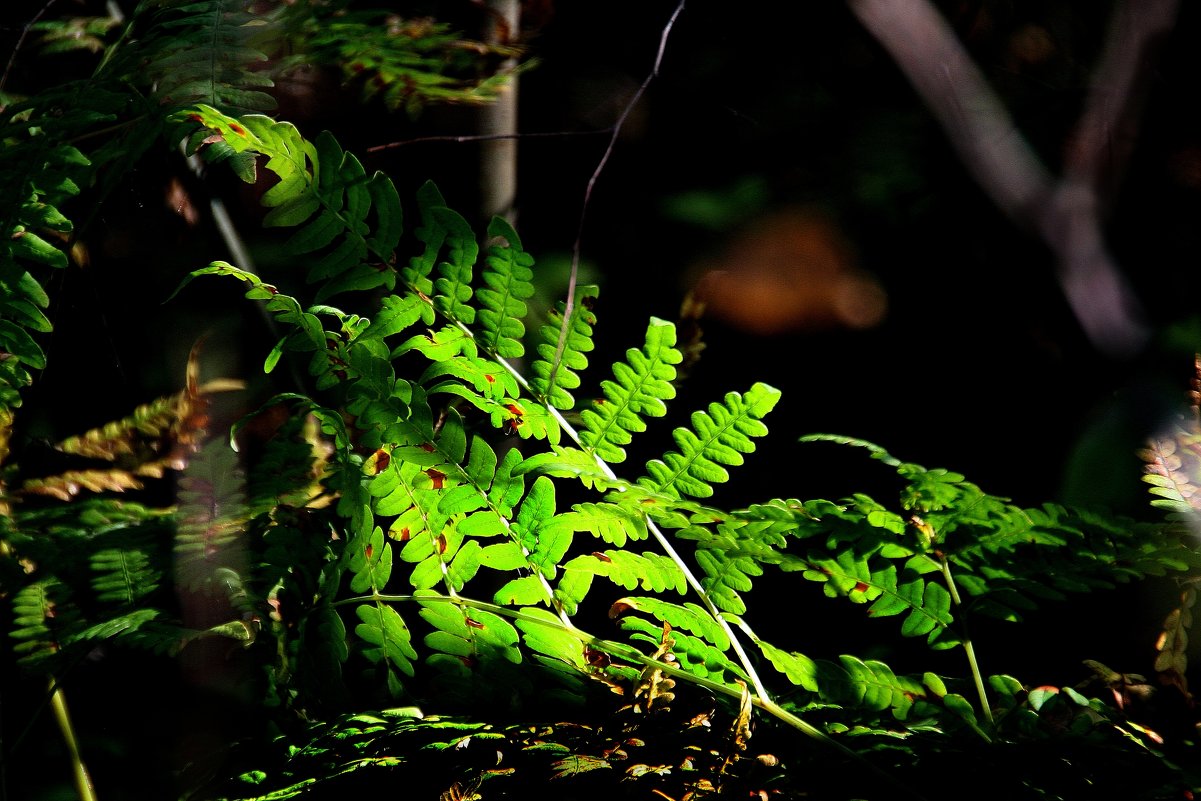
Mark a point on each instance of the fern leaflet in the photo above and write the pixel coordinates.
(643, 382)
(507, 274)
(550, 380)
(718, 437)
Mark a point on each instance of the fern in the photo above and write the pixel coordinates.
(719, 436)
(321, 189)
(195, 51)
(405, 63)
(643, 382)
(506, 277)
(553, 373)
(212, 512)
(399, 486)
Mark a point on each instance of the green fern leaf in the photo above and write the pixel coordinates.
(36, 176)
(718, 437)
(610, 522)
(694, 655)
(543, 633)
(491, 381)
(571, 463)
(571, 590)
(643, 382)
(649, 571)
(442, 228)
(472, 635)
(321, 188)
(726, 576)
(453, 291)
(875, 450)
(507, 278)
(125, 626)
(371, 563)
(544, 536)
(800, 669)
(397, 312)
(441, 345)
(191, 51)
(508, 486)
(552, 378)
(389, 642)
(870, 684)
(212, 512)
(688, 616)
(42, 620)
(123, 575)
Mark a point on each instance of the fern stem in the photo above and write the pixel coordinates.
(968, 648)
(83, 782)
(689, 576)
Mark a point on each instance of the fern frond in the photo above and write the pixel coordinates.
(643, 382)
(123, 576)
(718, 437)
(67, 485)
(472, 637)
(292, 467)
(507, 278)
(389, 642)
(353, 220)
(195, 51)
(212, 514)
(865, 684)
(695, 655)
(551, 379)
(407, 63)
(37, 175)
(566, 462)
(157, 436)
(687, 616)
(1173, 469)
(650, 571)
(42, 620)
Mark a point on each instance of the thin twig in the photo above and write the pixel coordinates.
(468, 138)
(1065, 211)
(21, 42)
(569, 303)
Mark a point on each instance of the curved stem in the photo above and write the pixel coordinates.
(977, 676)
(83, 781)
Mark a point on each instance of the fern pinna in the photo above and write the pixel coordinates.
(439, 504)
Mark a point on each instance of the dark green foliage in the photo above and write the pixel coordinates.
(405, 63)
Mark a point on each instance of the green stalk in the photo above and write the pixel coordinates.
(83, 782)
(977, 676)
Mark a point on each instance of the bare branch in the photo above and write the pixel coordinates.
(1066, 212)
(579, 236)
